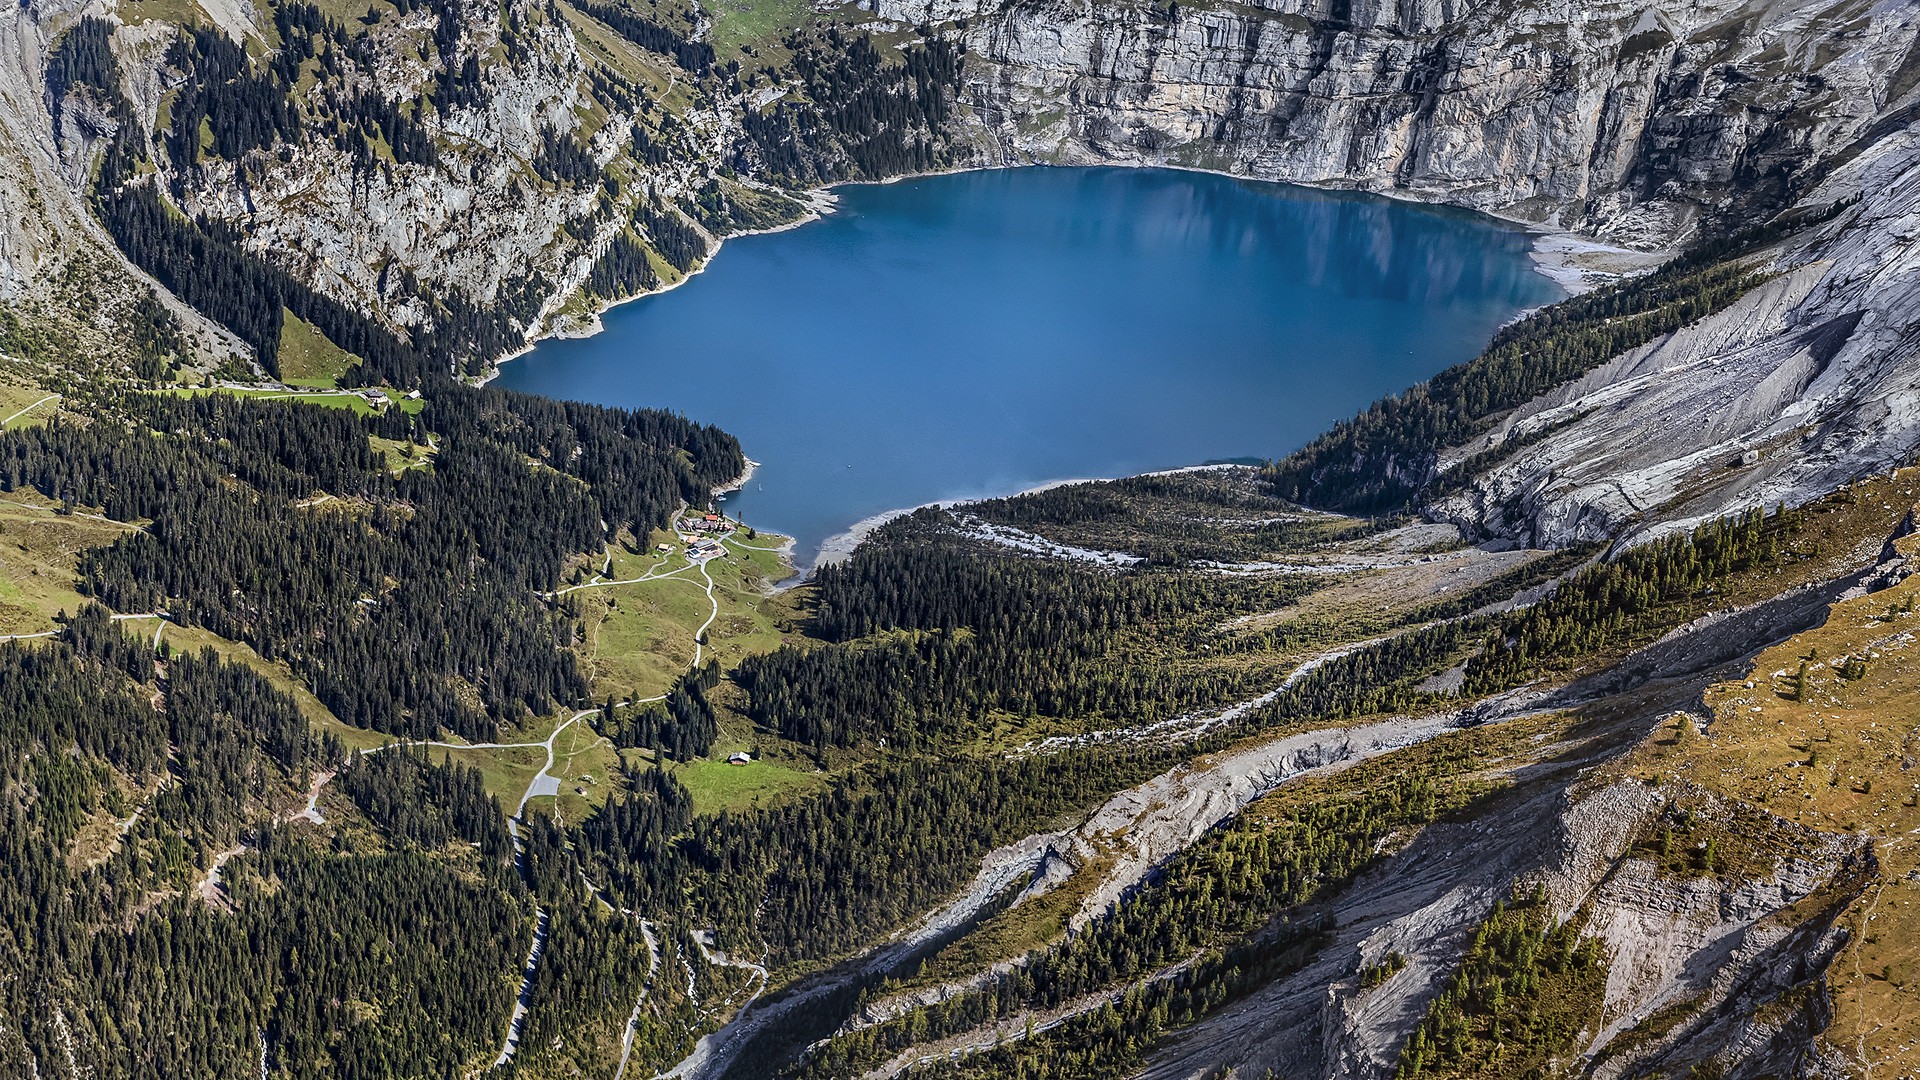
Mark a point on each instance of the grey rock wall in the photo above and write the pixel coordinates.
(1630, 121)
(1809, 382)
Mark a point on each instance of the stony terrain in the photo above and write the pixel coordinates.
(1636, 128)
(1805, 383)
(1639, 126)
(1630, 122)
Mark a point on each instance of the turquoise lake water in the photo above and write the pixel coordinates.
(982, 333)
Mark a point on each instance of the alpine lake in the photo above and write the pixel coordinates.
(982, 333)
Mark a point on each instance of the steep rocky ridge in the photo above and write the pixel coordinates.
(508, 191)
(1806, 383)
(1634, 124)
(52, 252)
(478, 217)
(1637, 123)
(1721, 949)
(1723, 970)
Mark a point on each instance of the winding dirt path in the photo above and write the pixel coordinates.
(76, 513)
(646, 988)
(543, 783)
(530, 969)
(655, 574)
(698, 644)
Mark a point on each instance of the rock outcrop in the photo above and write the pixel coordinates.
(60, 274)
(1698, 967)
(1641, 125)
(1810, 381)
(1633, 122)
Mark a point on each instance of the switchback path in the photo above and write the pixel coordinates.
(700, 635)
(543, 783)
(655, 574)
(531, 968)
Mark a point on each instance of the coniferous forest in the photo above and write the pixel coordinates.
(428, 909)
(267, 858)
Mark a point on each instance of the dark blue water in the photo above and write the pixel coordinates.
(982, 333)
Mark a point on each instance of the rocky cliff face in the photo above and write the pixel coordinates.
(1637, 123)
(1809, 381)
(63, 285)
(1698, 970)
(1640, 125)
(475, 206)
(478, 218)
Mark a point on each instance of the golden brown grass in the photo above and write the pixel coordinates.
(1846, 758)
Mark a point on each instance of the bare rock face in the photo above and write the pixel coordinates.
(58, 268)
(478, 220)
(1713, 958)
(1808, 382)
(1642, 125)
(1628, 121)
(39, 219)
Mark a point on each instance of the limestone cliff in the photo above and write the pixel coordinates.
(1638, 123)
(65, 292)
(1642, 125)
(1806, 383)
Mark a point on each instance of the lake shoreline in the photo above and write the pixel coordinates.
(1578, 264)
(840, 547)
(755, 378)
(819, 203)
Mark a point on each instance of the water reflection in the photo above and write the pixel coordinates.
(979, 333)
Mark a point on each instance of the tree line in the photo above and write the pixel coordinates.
(695, 57)
(395, 614)
(682, 726)
(1527, 988)
(816, 876)
(1170, 520)
(409, 797)
(1233, 907)
(1380, 460)
(862, 118)
(244, 107)
(1632, 599)
(931, 640)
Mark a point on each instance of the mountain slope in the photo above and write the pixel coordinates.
(1294, 791)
